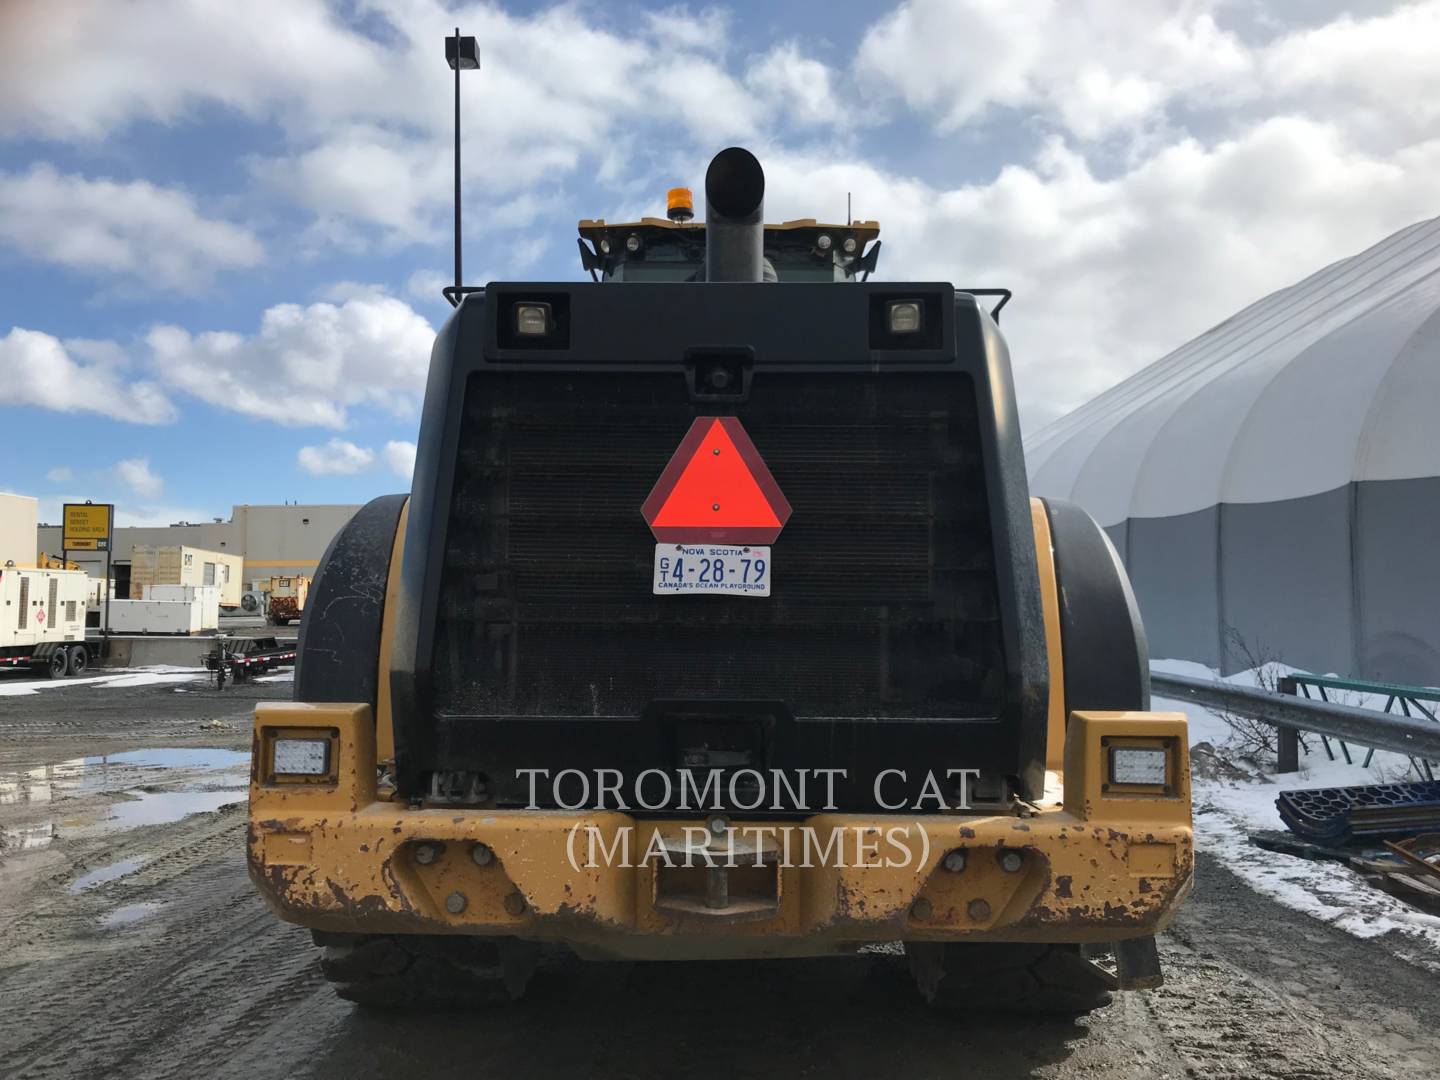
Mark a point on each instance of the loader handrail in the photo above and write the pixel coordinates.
(1367, 727)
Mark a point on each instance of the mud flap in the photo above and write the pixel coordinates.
(1137, 964)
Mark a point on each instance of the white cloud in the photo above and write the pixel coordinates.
(676, 27)
(305, 365)
(1093, 65)
(61, 474)
(426, 285)
(1112, 272)
(400, 458)
(797, 84)
(81, 69)
(152, 234)
(338, 457)
(136, 475)
(38, 369)
(1377, 76)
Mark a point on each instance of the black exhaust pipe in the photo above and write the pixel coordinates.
(734, 217)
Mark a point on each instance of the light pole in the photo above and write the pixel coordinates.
(462, 54)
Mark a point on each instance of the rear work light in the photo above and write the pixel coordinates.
(905, 316)
(1145, 765)
(532, 319)
(301, 757)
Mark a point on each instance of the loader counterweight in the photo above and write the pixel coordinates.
(719, 623)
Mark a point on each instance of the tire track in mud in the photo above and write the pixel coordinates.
(174, 991)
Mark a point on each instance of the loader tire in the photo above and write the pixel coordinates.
(996, 977)
(401, 972)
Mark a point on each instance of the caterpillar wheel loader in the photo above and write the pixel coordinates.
(719, 623)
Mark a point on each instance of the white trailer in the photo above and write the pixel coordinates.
(155, 617)
(42, 620)
(153, 564)
(205, 597)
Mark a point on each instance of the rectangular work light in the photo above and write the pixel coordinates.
(301, 757)
(1145, 765)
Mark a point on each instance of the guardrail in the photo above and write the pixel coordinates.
(1292, 715)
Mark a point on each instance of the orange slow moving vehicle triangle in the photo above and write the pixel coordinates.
(717, 489)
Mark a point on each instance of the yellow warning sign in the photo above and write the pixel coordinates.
(87, 526)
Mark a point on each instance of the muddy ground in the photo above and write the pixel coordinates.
(131, 945)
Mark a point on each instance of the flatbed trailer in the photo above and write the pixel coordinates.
(242, 658)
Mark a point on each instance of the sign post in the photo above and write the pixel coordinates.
(90, 527)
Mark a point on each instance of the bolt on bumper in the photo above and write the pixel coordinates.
(339, 857)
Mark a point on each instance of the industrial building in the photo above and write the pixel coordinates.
(1278, 477)
(285, 539)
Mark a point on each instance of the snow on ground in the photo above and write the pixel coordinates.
(1227, 811)
(20, 684)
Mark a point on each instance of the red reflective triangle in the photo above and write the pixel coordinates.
(716, 488)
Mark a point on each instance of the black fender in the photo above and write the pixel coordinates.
(338, 656)
(1102, 639)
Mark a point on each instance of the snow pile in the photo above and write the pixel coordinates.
(160, 674)
(1228, 810)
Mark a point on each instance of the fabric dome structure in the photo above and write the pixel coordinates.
(1276, 480)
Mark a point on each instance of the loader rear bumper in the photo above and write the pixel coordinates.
(340, 857)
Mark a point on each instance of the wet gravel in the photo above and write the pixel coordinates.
(132, 945)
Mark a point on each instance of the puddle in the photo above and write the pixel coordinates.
(105, 873)
(214, 779)
(188, 758)
(111, 772)
(15, 838)
(162, 807)
(130, 913)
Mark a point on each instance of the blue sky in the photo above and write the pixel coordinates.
(223, 227)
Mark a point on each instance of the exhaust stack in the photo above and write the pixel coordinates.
(734, 217)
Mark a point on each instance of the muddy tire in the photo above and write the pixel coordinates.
(991, 977)
(401, 972)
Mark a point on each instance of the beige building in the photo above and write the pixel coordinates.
(17, 529)
(284, 539)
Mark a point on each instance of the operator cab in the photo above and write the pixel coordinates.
(673, 248)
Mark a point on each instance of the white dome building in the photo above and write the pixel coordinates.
(1280, 474)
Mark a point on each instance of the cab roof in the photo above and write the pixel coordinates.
(599, 229)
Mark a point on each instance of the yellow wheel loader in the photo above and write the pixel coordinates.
(719, 623)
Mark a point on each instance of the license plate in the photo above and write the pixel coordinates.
(712, 568)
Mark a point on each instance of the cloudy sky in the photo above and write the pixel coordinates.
(224, 226)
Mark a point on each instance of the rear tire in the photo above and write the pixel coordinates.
(79, 660)
(56, 665)
(400, 972)
(997, 977)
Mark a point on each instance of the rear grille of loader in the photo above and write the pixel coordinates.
(884, 595)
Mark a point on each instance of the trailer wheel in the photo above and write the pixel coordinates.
(79, 660)
(56, 665)
(420, 971)
(961, 978)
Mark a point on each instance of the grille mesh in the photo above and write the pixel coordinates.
(883, 597)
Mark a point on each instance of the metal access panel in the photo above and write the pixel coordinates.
(903, 585)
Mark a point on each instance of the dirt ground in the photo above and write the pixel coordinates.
(132, 945)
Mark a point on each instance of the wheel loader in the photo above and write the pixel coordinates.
(718, 623)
